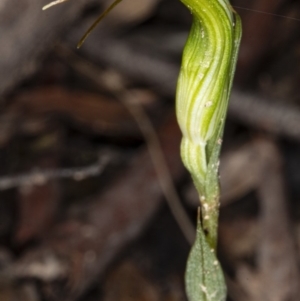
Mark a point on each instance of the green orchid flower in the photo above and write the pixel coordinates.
(203, 90)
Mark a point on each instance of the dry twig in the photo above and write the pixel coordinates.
(38, 177)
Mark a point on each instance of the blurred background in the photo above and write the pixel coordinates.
(82, 212)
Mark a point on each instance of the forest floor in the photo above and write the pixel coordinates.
(91, 173)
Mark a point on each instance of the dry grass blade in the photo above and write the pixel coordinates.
(100, 18)
(53, 3)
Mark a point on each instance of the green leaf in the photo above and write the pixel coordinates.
(204, 278)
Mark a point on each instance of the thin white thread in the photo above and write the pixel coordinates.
(267, 13)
